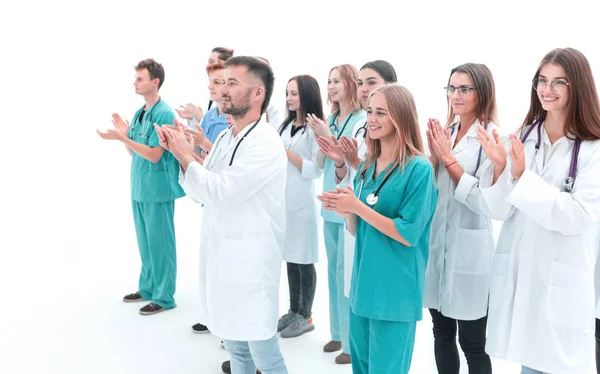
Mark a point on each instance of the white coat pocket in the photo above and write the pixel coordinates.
(570, 302)
(238, 261)
(474, 251)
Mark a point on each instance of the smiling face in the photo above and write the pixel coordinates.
(368, 80)
(465, 105)
(379, 122)
(551, 100)
(335, 87)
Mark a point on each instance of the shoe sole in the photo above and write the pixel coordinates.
(154, 312)
(311, 328)
(133, 301)
(201, 332)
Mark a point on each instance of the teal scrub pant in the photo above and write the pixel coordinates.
(155, 230)
(382, 347)
(338, 303)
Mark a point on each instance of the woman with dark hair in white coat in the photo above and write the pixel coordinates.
(547, 192)
(301, 248)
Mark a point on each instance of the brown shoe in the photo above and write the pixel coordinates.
(343, 359)
(332, 346)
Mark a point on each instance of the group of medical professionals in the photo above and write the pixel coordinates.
(407, 223)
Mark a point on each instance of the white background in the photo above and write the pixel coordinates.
(67, 245)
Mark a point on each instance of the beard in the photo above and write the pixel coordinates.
(238, 110)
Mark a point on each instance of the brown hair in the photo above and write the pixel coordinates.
(155, 70)
(403, 113)
(215, 66)
(583, 116)
(349, 78)
(483, 82)
(224, 53)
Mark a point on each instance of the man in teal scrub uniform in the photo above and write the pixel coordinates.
(154, 188)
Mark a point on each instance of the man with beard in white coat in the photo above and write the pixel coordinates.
(242, 184)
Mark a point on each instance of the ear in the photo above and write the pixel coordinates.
(260, 93)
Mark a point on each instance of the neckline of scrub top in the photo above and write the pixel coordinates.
(381, 174)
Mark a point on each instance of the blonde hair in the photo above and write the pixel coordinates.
(349, 78)
(407, 136)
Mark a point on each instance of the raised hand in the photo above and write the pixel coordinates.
(318, 126)
(162, 139)
(439, 140)
(331, 148)
(349, 149)
(493, 147)
(517, 157)
(119, 124)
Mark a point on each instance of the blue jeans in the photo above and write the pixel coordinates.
(526, 370)
(265, 355)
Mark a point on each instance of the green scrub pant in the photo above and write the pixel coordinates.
(339, 308)
(382, 347)
(155, 230)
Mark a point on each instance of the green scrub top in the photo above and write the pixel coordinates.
(388, 277)
(153, 182)
(344, 129)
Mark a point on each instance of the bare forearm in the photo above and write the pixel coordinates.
(381, 223)
(354, 163)
(454, 169)
(434, 162)
(152, 154)
(498, 170)
(351, 224)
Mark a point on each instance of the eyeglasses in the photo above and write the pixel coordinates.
(462, 90)
(558, 86)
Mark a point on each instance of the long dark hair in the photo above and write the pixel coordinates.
(310, 101)
(583, 116)
(384, 69)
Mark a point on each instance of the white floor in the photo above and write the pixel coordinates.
(62, 285)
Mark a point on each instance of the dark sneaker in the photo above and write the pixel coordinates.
(133, 297)
(226, 367)
(151, 309)
(332, 346)
(199, 328)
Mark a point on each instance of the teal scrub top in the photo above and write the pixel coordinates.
(388, 278)
(153, 182)
(344, 129)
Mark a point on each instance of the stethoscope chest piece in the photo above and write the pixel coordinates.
(372, 199)
(568, 184)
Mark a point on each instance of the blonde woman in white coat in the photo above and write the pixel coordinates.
(547, 191)
(457, 280)
(301, 249)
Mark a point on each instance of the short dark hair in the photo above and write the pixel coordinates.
(384, 69)
(260, 70)
(224, 53)
(155, 70)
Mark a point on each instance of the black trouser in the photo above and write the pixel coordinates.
(597, 345)
(302, 280)
(471, 336)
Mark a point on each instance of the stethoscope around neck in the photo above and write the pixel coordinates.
(148, 119)
(335, 127)
(237, 145)
(303, 127)
(373, 197)
(569, 182)
(452, 129)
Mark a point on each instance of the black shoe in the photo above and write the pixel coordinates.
(133, 297)
(199, 328)
(151, 309)
(226, 367)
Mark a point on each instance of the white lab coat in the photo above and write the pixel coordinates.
(349, 239)
(274, 116)
(302, 238)
(242, 232)
(457, 279)
(541, 311)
